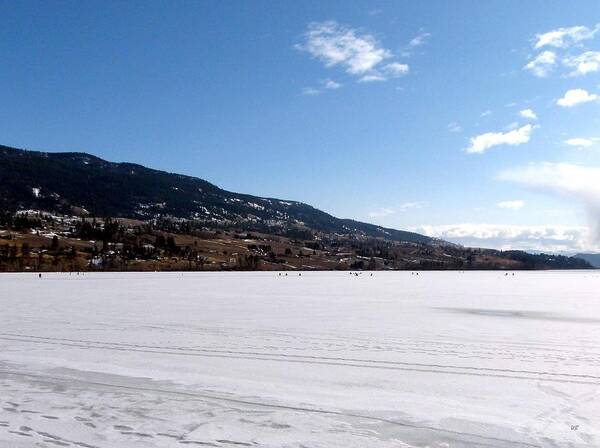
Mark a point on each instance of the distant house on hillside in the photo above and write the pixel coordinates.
(148, 248)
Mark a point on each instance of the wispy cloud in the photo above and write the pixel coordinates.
(565, 37)
(528, 113)
(579, 142)
(310, 91)
(381, 212)
(402, 208)
(419, 40)
(326, 84)
(511, 205)
(454, 127)
(331, 84)
(335, 44)
(542, 64)
(573, 182)
(574, 97)
(486, 113)
(359, 53)
(374, 77)
(549, 238)
(416, 42)
(481, 143)
(412, 206)
(396, 69)
(562, 42)
(587, 62)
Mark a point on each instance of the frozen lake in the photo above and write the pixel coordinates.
(443, 359)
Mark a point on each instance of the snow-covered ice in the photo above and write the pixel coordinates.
(442, 359)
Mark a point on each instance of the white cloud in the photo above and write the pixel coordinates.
(511, 205)
(359, 53)
(561, 177)
(454, 127)
(412, 206)
(483, 142)
(588, 62)
(372, 78)
(565, 37)
(580, 142)
(327, 84)
(310, 91)
(542, 64)
(528, 113)
(561, 42)
(392, 70)
(381, 213)
(576, 96)
(551, 238)
(402, 208)
(331, 84)
(487, 113)
(396, 69)
(419, 40)
(566, 180)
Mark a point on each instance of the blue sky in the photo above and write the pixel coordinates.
(474, 121)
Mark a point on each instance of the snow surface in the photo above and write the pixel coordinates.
(442, 359)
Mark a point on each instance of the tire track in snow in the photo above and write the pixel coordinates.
(318, 360)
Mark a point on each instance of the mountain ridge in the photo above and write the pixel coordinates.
(591, 258)
(78, 182)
